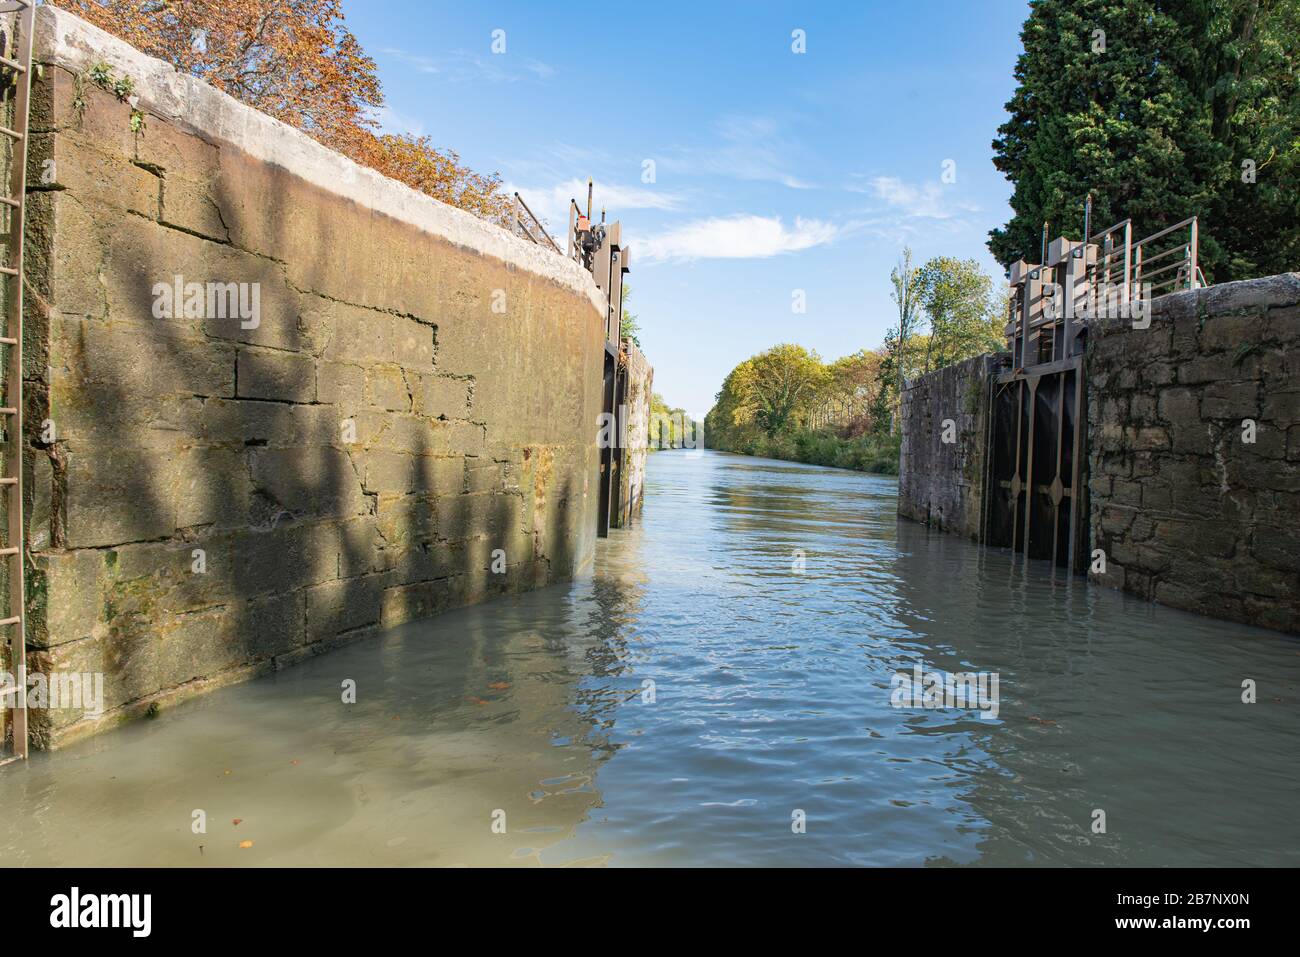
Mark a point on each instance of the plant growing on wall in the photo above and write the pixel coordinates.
(123, 87)
(628, 327)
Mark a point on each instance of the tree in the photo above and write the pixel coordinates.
(440, 174)
(906, 281)
(746, 417)
(670, 428)
(773, 385)
(295, 60)
(855, 376)
(1250, 73)
(1154, 106)
(291, 59)
(957, 296)
(720, 421)
(852, 386)
(628, 327)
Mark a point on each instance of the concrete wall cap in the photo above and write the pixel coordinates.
(65, 40)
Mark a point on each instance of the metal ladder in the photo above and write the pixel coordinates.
(16, 74)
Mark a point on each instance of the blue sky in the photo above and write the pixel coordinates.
(773, 171)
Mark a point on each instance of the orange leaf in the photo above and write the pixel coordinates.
(245, 843)
(499, 685)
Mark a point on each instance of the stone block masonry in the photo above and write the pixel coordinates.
(1193, 451)
(941, 463)
(640, 388)
(1194, 435)
(330, 431)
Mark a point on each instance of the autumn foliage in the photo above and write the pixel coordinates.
(296, 61)
(417, 163)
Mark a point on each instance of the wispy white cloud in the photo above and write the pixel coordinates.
(735, 237)
(925, 201)
(464, 66)
(552, 203)
(541, 70)
(747, 147)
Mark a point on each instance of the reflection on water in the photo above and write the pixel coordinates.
(770, 693)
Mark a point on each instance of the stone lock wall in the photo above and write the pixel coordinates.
(636, 440)
(942, 483)
(1194, 433)
(1193, 451)
(211, 497)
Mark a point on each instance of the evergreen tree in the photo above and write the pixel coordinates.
(1154, 106)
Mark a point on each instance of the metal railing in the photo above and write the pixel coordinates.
(1114, 256)
(1168, 254)
(1166, 260)
(1105, 273)
(530, 228)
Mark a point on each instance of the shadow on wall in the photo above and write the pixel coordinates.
(223, 500)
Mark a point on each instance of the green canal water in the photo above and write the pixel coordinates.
(726, 670)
